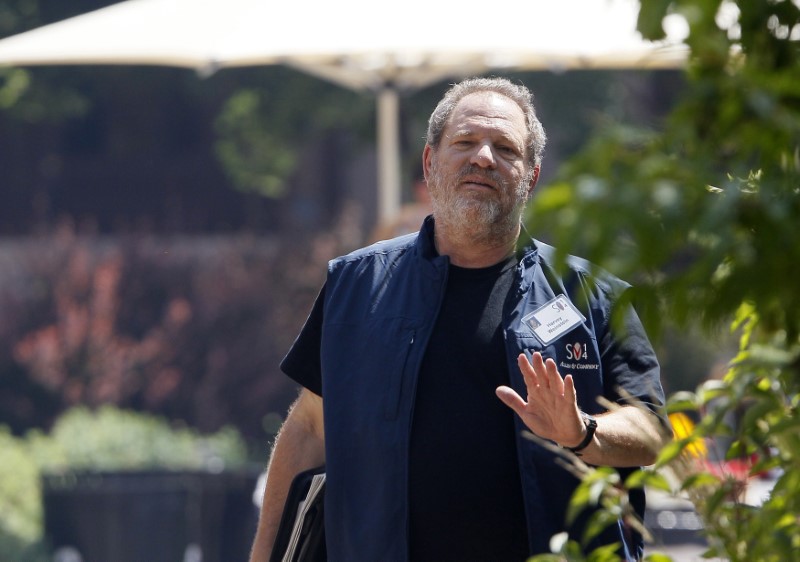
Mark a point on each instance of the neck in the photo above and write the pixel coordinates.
(468, 250)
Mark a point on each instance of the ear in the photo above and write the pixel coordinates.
(427, 161)
(534, 180)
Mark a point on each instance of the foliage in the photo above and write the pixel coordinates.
(191, 329)
(33, 100)
(701, 214)
(262, 128)
(20, 499)
(112, 439)
(105, 439)
(14, 82)
(256, 159)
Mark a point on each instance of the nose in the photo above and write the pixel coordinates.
(484, 156)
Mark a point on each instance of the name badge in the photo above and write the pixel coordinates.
(554, 319)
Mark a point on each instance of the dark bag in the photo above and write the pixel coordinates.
(301, 532)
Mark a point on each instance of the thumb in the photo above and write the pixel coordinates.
(510, 398)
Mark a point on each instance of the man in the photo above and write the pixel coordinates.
(412, 341)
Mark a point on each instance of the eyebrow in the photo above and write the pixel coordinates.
(467, 132)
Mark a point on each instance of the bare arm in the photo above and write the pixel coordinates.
(299, 446)
(627, 436)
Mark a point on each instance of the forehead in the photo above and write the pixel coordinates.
(487, 111)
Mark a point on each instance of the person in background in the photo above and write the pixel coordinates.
(426, 358)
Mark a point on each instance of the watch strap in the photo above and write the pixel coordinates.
(591, 427)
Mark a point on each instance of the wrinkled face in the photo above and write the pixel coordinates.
(478, 177)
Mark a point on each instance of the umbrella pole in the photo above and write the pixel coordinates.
(388, 141)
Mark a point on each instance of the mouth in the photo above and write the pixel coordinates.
(479, 182)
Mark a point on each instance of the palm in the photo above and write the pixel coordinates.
(551, 410)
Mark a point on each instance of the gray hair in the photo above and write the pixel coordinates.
(517, 93)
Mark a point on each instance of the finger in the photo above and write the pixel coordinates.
(569, 390)
(537, 362)
(544, 370)
(510, 398)
(528, 373)
(554, 380)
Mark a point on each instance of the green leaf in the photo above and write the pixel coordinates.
(657, 557)
(671, 451)
(651, 14)
(699, 480)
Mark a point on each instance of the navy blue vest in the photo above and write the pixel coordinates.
(381, 304)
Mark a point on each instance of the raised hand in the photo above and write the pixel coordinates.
(551, 410)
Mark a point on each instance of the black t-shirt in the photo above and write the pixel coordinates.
(465, 495)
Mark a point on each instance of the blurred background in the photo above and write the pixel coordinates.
(162, 238)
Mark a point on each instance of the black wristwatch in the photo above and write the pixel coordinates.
(591, 426)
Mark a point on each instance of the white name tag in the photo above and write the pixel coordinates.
(554, 319)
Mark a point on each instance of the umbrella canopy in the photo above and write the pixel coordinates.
(358, 44)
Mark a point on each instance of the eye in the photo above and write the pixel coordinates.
(507, 149)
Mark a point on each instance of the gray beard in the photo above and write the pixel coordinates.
(476, 220)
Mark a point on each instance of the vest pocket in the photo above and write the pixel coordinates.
(397, 375)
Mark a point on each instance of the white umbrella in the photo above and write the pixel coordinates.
(358, 44)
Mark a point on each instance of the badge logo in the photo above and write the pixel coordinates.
(576, 358)
(577, 352)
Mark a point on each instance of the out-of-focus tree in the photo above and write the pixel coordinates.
(30, 101)
(262, 127)
(701, 213)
